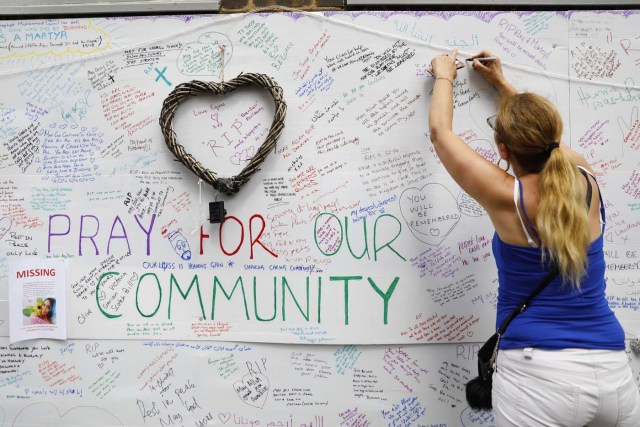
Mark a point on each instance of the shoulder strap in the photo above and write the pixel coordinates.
(589, 186)
(524, 210)
(519, 309)
(517, 193)
(589, 189)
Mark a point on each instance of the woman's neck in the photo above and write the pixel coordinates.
(519, 172)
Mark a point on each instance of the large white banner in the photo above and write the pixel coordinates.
(351, 233)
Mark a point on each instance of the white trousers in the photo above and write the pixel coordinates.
(564, 388)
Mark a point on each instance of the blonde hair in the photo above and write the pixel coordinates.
(527, 123)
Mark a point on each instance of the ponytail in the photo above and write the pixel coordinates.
(562, 219)
(527, 124)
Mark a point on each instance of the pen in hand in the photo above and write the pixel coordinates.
(485, 59)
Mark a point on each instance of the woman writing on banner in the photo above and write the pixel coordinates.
(561, 362)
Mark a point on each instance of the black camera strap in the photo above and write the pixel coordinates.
(478, 390)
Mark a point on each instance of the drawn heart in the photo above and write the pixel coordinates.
(431, 212)
(253, 389)
(5, 226)
(244, 156)
(231, 185)
(47, 413)
(224, 417)
(205, 57)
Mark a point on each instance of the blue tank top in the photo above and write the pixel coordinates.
(560, 316)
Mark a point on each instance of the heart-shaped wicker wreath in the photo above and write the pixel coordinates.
(231, 185)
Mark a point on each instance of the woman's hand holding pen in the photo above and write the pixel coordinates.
(492, 71)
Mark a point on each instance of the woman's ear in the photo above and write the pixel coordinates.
(504, 151)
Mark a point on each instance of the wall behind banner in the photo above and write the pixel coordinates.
(351, 238)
